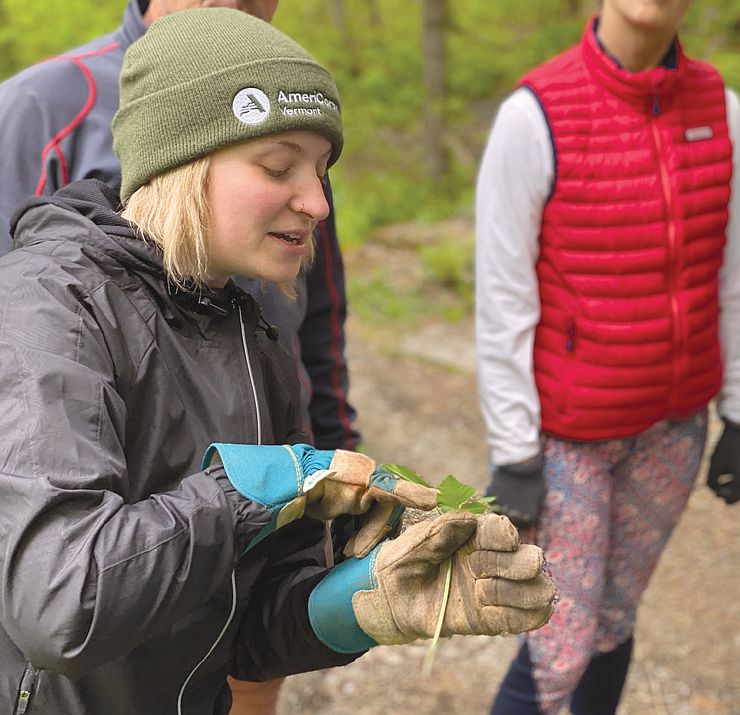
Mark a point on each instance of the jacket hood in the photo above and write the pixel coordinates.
(85, 212)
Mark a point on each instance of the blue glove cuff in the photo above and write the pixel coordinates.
(271, 475)
(330, 605)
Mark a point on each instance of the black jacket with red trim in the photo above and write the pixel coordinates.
(55, 128)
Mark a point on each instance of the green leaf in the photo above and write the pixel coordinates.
(407, 474)
(453, 493)
(476, 507)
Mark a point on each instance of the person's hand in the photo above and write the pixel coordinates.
(353, 484)
(519, 490)
(724, 467)
(293, 480)
(395, 595)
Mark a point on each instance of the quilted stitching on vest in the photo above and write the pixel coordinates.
(631, 242)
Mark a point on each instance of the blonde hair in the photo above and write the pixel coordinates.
(172, 211)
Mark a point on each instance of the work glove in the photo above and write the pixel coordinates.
(724, 467)
(519, 490)
(291, 481)
(396, 593)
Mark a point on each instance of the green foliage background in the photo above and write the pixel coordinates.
(376, 58)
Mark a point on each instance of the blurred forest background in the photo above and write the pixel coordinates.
(420, 81)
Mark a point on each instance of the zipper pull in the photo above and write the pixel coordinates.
(206, 302)
(24, 697)
(571, 331)
(25, 691)
(655, 99)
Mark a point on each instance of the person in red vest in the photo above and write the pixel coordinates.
(608, 299)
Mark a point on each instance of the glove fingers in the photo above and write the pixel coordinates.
(375, 526)
(495, 532)
(498, 620)
(718, 465)
(520, 565)
(535, 594)
(330, 498)
(416, 496)
(432, 541)
(352, 467)
(730, 491)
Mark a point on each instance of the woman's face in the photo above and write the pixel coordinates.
(659, 16)
(265, 198)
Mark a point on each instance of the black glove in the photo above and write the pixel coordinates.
(724, 468)
(519, 490)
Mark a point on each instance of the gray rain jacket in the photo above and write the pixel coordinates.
(55, 127)
(120, 590)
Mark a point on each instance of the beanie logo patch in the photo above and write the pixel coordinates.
(251, 106)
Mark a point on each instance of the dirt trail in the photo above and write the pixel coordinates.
(418, 406)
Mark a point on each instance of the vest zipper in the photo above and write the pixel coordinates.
(26, 690)
(570, 344)
(672, 246)
(233, 573)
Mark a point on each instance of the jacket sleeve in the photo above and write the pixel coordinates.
(24, 127)
(322, 343)
(33, 113)
(275, 635)
(89, 573)
(729, 398)
(514, 181)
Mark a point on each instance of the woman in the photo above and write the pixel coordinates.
(136, 575)
(606, 208)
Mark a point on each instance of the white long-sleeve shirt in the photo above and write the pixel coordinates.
(514, 182)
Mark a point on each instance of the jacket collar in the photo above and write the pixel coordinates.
(87, 211)
(637, 88)
(133, 26)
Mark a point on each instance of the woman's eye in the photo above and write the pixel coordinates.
(274, 173)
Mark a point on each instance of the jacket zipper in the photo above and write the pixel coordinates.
(232, 611)
(251, 376)
(25, 691)
(656, 111)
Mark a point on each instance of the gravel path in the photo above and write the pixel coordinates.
(418, 405)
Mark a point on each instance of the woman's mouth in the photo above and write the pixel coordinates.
(292, 239)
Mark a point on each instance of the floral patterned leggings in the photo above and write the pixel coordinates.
(610, 509)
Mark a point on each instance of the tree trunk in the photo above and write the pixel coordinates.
(376, 19)
(434, 23)
(338, 15)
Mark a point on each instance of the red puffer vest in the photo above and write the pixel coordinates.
(631, 242)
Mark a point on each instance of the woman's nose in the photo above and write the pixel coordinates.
(311, 200)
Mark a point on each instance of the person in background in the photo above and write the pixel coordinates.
(608, 300)
(55, 122)
(163, 523)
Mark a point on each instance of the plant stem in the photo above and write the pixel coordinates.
(429, 656)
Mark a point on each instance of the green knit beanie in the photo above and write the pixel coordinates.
(203, 79)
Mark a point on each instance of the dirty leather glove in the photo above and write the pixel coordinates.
(519, 490)
(395, 594)
(355, 485)
(293, 480)
(724, 467)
